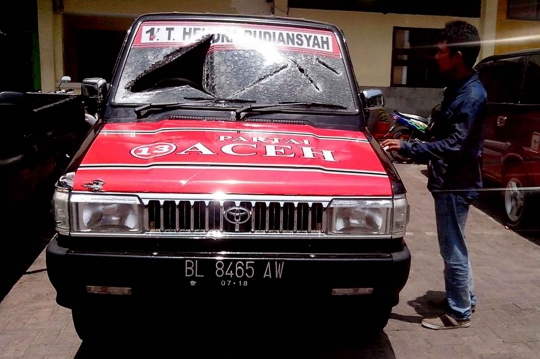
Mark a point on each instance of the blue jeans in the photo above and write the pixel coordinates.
(451, 212)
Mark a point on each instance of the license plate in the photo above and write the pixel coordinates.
(232, 273)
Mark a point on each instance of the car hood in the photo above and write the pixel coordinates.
(203, 157)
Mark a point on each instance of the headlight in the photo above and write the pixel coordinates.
(61, 209)
(369, 216)
(400, 216)
(61, 202)
(106, 214)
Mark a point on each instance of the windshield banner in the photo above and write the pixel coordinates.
(232, 36)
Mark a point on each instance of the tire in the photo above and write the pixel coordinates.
(403, 134)
(370, 317)
(83, 323)
(101, 323)
(516, 200)
(376, 318)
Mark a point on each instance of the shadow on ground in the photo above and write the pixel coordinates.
(490, 202)
(27, 226)
(241, 338)
(422, 307)
(238, 329)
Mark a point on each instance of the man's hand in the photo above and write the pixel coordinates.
(391, 145)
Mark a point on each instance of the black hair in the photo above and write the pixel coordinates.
(463, 37)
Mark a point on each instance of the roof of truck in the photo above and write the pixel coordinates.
(233, 17)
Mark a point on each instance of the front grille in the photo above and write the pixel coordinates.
(235, 216)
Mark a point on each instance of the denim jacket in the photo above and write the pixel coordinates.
(454, 152)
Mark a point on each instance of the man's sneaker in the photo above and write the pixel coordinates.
(442, 304)
(445, 321)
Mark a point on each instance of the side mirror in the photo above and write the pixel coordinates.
(374, 99)
(12, 98)
(94, 88)
(373, 102)
(64, 79)
(94, 92)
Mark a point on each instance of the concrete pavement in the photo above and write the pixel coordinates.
(506, 324)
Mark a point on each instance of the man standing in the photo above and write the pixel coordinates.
(454, 164)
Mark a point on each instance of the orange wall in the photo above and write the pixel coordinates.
(514, 35)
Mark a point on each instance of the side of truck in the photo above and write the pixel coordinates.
(40, 134)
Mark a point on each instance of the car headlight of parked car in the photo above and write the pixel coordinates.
(94, 213)
(369, 216)
(106, 213)
(61, 209)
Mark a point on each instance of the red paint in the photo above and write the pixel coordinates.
(232, 157)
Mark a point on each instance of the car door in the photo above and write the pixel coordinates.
(502, 79)
(524, 134)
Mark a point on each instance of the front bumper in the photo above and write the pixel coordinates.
(79, 275)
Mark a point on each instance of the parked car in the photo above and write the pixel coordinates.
(511, 151)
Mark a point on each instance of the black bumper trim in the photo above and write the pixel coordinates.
(155, 275)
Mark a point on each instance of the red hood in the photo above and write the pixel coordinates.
(233, 158)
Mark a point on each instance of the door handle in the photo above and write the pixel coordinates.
(501, 121)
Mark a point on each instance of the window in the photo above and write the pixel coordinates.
(501, 79)
(109, 42)
(531, 91)
(461, 8)
(523, 10)
(413, 58)
(19, 63)
(92, 44)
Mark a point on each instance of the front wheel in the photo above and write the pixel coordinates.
(376, 318)
(101, 323)
(516, 199)
(83, 323)
(369, 317)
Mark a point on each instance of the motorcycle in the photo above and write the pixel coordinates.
(409, 128)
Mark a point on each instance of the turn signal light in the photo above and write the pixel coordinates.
(97, 289)
(352, 291)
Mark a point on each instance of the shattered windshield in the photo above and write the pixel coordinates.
(178, 61)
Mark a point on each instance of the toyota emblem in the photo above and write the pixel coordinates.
(237, 215)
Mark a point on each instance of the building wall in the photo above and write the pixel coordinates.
(136, 7)
(514, 35)
(369, 38)
(369, 35)
(46, 44)
(121, 12)
(488, 27)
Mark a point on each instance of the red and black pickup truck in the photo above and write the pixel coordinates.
(230, 159)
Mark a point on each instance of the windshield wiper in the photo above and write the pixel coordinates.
(199, 100)
(276, 107)
(158, 106)
(240, 113)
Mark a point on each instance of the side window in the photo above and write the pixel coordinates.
(413, 58)
(530, 93)
(502, 79)
(484, 73)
